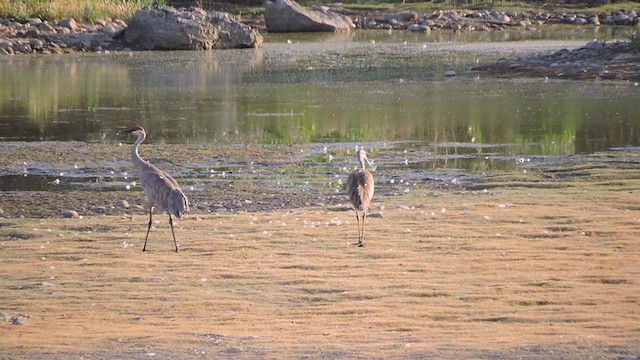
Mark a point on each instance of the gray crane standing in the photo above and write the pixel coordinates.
(161, 189)
(360, 190)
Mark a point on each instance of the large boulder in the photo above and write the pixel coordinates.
(289, 16)
(232, 33)
(167, 28)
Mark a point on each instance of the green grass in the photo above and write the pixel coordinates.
(80, 10)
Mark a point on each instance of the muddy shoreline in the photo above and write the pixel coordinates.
(228, 178)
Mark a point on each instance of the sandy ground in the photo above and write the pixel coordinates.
(541, 264)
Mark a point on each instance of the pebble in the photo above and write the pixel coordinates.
(68, 214)
(122, 204)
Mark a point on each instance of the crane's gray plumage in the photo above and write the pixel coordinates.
(360, 188)
(162, 191)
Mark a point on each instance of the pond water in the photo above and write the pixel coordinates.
(368, 86)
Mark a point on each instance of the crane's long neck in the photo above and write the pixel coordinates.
(135, 156)
(362, 158)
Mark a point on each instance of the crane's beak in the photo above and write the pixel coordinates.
(366, 158)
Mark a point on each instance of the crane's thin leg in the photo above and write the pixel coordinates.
(359, 233)
(172, 232)
(364, 215)
(144, 248)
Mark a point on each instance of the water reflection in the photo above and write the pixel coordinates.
(365, 86)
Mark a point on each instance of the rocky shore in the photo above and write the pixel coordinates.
(595, 60)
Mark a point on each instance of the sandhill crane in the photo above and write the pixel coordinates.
(360, 190)
(162, 191)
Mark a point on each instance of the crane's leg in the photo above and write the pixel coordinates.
(359, 243)
(172, 232)
(364, 215)
(144, 248)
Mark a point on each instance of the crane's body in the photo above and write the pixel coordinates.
(163, 192)
(360, 188)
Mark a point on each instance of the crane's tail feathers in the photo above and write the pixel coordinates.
(178, 203)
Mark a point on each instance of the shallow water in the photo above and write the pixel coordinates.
(372, 87)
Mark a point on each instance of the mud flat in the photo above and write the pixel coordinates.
(542, 264)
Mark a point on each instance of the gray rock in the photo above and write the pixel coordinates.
(69, 23)
(418, 28)
(36, 44)
(69, 214)
(166, 28)
(503, 18)
(403, 16)
(23, 48)
(122, 204)
(5, 44)
(580, 21)
(232, 33)
(622, 19)
(34, 21)
(289, 16)
(594, 45)
(371, 24)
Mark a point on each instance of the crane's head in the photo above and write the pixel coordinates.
(362, 156)
(136, 131)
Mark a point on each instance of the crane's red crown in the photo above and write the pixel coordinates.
(137, 128)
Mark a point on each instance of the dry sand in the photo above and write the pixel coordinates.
(542, 265)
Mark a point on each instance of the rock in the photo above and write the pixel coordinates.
(166, 28)
(233, 34)
(418, 28)
(69, 23)
(1, 212)
(622, 19)
(36, 44)
(503, 18)
(5, 44)
(594, 45)
(69, 214)
(580, 21)
(403, 16)
(450, 73)
(289, 16)
(122, 204)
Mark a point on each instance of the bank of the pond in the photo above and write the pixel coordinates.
(241, 178)
(594, 61)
